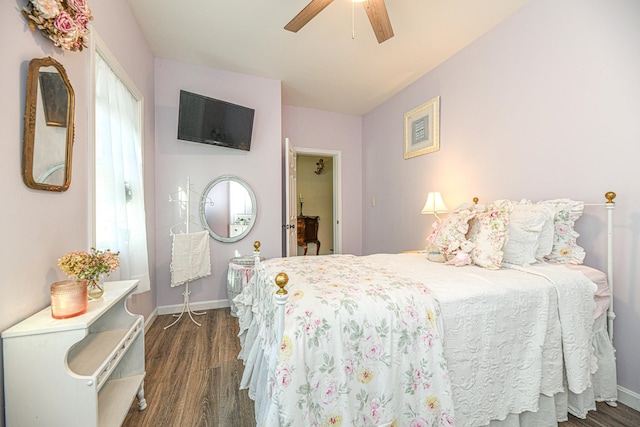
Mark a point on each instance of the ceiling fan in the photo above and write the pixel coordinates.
(376, 11)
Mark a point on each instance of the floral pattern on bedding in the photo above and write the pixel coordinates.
(452, 230)
(489, 231)
(565, 245)
(361, 346)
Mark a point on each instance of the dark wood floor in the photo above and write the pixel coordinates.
(193, 377)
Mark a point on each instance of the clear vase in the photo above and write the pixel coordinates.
(95, 287)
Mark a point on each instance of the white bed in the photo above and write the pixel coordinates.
(394, 339)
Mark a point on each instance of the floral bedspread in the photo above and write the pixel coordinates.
(361, 346)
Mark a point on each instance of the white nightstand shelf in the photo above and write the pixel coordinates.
(84, 371)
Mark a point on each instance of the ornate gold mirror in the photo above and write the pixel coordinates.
(48, 126)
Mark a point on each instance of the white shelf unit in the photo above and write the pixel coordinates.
(82, 371)
(237, 229)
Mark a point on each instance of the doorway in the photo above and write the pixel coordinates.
(314, 180)
(313, 190)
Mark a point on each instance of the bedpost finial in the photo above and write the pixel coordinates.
(256, 246)
(281, 280)
(610, 195)
(475, 200)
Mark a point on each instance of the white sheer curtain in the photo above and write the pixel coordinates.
(119, 192)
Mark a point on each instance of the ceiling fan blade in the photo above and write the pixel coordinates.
(307, 14)
(379, 18)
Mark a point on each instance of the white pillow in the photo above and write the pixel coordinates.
(545, 239)
(526, 223)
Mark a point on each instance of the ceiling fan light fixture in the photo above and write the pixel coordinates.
(376, 12)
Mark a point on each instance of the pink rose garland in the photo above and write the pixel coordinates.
(64, 22)
(78, 5)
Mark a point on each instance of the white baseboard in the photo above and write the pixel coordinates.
(149, 320)
(194, 306)
(629, 398)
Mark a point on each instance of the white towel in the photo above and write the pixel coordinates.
(191, 257)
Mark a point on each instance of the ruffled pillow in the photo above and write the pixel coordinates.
(526, 223)
(565, 247)
(488, 230)
(453, 229)
(545, 238)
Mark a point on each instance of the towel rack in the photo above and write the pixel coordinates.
(184, 203)
(183, 199)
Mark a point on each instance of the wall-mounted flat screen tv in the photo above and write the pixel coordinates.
(211, 121)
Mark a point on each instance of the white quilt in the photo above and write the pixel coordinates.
(495, 368)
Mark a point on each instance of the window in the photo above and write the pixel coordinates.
(119, 214)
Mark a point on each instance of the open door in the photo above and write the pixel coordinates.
(291, 212)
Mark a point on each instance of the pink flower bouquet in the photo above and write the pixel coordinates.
(85, 265)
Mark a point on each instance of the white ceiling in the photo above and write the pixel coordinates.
(321, 66)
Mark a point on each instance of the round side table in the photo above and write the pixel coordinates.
(239, 273)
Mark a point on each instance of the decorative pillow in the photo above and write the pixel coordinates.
(488, 230)
(453, 229)
(565, 246)
(525, 225)
(545, 238)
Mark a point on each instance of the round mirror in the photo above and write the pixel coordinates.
(228, 208)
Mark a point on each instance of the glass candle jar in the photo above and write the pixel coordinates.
(68, 298)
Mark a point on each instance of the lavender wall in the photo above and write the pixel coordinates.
(38, 227)
(176, 159)
(315, 129)
(545, 105)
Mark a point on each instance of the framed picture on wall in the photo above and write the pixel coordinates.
(422, 129)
